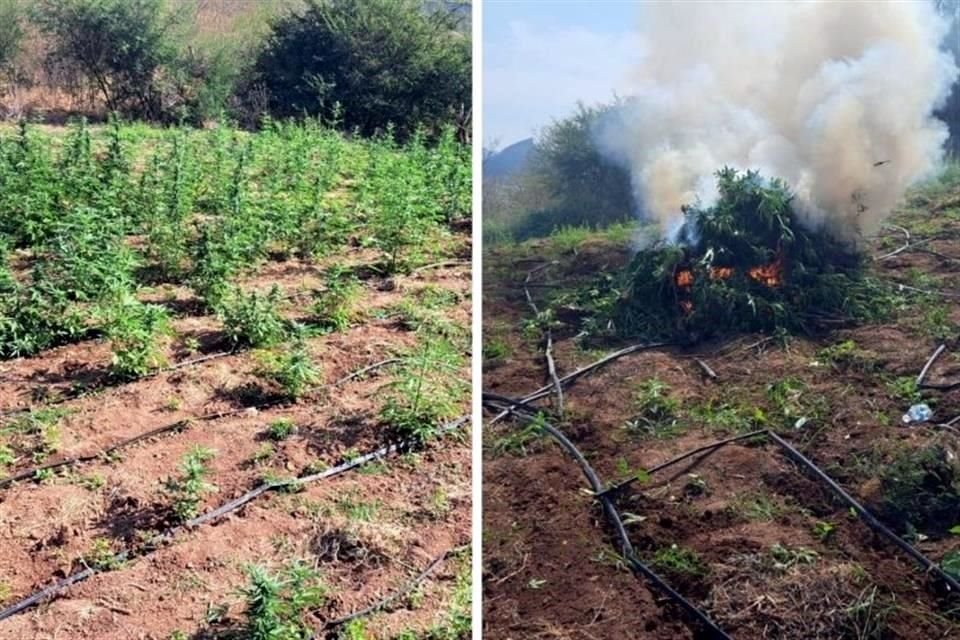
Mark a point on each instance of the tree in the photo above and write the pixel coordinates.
(121, 47)
(588, 186)
(11, 32)
(380, 61)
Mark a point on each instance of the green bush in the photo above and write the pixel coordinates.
(277, 604)
(187, 490)
(253, 319)
(920, 491)
(383, 61)
(816, 280)
(337, 305)
(425, 392)
(118, 46)
(135, 331)
(11, 32)
(292, 370)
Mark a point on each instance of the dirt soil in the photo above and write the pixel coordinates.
(776, 556)
(368, 531)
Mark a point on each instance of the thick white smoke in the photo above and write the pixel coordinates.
(815, 93)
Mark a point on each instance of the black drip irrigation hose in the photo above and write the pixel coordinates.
(868, 518)
(9, 413)
(33, 473)
(572, 377)
(794, 454)
(610, 511)
(396, 595)
(55, 589)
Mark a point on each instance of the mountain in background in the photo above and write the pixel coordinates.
(509, 160)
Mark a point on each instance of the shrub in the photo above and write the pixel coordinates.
(11, 32)
(277, 604)
(135, 331)
(36, 318)
(187, 490)
(587, 187)
(281, 429)
(425, 392)
(384, 61)
(252, 319)
(920, 491)
(336, 306)
(118, 46)
(292, 369)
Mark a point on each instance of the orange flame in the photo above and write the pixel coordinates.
(770, 275)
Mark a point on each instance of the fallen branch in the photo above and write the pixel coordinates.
(570, 378)
(706, 369)
(930, 361)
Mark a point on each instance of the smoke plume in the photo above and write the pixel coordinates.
(816, 93)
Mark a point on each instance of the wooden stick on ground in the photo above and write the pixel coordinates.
(930, 361)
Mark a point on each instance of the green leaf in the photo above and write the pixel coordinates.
(951, 563)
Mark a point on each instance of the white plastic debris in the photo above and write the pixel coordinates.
(918, 413)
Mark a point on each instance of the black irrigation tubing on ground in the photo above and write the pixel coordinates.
(704, 450)
(613, 516)
(55, 589)
(793, 453)
(868, 518)
(96, 389)
(396, 595)
(32, 473)
(570, 378)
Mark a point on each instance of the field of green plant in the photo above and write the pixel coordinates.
(246, 314)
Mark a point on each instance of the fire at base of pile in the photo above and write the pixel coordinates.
(744, 264)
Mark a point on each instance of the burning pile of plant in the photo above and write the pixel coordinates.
(745, 263)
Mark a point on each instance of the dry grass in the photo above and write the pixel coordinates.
(822, 601)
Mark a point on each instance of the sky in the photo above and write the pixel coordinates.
(542, 56)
